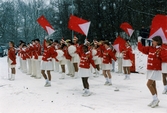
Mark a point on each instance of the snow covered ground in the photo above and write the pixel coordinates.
(28, 95)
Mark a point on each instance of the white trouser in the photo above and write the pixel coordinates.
(70, 67)
(91, 69)
(119, 65)
(38, 70)
(20, 62)
(24, 66)
(29, 69)
(33, 67)
(56, 66)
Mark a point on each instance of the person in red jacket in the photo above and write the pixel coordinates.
(95, 58)
(68, 59)
(75, 58)
(19, 54)
(84, 71)
(153, 66)
(24, 58)
(12, 60)
(164, 66)
(108, 55)
(101, 48)
(33, 64)
(37, 58)
(28, 56)
(62, 60)
(74, 50)
(46, 64)
(127, 60)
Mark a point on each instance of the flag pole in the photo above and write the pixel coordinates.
(72, 14)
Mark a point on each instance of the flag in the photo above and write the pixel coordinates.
(119, 44)
(44, 23)
(127, 28)
(79, 25)
(159, 27)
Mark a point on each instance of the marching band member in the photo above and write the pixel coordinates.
(23, 56)
(84, 72)
(37, 58)
(61, 58)
(95, 58)
(56, 62)
(46, 64)
(164, 66)
(28, 54)
(108, 55)
(32, 49)
(100, 51)
(68, 59)
(19, 54)
(127, 60)
(153, 66)
(74, 53)
(12, 60)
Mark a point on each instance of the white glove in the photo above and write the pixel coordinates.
(46, 37)
(97, 72)
(31, 45)
(24, 49)
(139, 38)
(49, 59)
(10, 61)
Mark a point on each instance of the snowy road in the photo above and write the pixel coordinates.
(28, 95)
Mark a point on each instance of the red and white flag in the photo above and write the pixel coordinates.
(119, 44)
(79, 25)
(127, 28)
(43, 22)
(159, 27)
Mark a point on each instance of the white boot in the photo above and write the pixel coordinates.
(155, 101)
(165, 90)
(96, 73)
(48, 83)
(110, 82)
(86, 93)
(12, 77)
(9, 76)
(75, 75)
(126, 76)
(62, 76)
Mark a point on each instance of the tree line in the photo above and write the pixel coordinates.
(18, 18)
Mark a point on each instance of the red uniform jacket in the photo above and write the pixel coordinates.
(48, 53)
(12, 55)
(31, 49)
(154, 60)
(127, 54)
(37, 50)
(23, 54)
(101, 49)
(78, 49)
(66, 54)
(18, 51)
(28, 53)
(99, 52)
(108, 55)
(86, 60)
(163, 53)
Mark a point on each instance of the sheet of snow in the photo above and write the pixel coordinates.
(28, 95)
